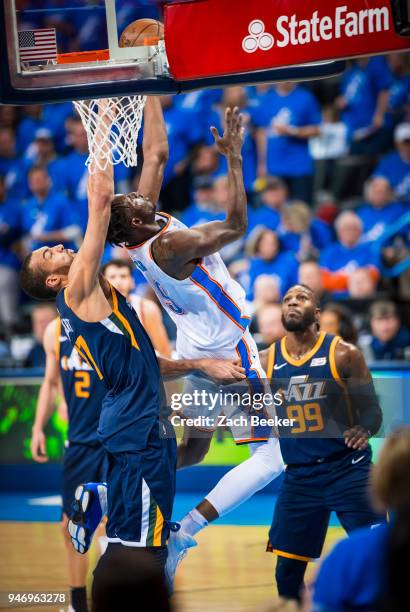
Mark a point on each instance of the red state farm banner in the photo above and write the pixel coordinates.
(206, 38)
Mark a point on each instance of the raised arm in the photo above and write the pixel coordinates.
(83, 277)
(367, 413)
(155, 150)
(173, 250)
(47, 395)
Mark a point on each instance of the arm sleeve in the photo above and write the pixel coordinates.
(366, 407)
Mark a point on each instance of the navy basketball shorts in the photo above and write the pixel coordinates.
(307, 497)
(82, 463)
(141, 489)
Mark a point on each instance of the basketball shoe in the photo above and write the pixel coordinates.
(89, 507)
(178, 545)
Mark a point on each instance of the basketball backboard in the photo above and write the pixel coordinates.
(56, 50)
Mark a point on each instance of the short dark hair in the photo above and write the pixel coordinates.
(33, 282)
(118, 263)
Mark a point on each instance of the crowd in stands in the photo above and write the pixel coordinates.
(327, 173)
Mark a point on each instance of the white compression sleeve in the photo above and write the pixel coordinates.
(244, 480)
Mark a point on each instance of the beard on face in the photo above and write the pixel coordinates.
(299, 324)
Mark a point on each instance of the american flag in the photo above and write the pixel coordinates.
(37, 45)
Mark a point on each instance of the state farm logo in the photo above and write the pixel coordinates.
(257, 38)
(289, 30)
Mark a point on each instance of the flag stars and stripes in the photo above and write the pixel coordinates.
(37, 45)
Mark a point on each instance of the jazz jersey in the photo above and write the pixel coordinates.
(208, 308)
(120, 352)
(83, 391)
(314, 400)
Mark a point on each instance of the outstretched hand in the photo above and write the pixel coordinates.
(231, 141)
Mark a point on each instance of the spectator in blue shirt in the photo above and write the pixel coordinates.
(287, 116)
(364, 102)
(263, 248)
(12, 167)
(302, 234)
(10, 233)
(348, 253)
(42, 152)
(30, 124)
(204, 207)
(274, 195)
(368, 570)
(380, 209)
(48, 216)
(395, 166)
(389, 339)
(399, 92)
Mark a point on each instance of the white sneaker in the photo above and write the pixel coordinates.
(178, 545)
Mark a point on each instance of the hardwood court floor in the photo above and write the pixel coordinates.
(228, 570)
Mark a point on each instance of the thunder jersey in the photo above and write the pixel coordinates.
(83, 391)
(120, 352)
(314, 397)
(208, 308)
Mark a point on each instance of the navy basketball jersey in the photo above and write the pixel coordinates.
(120, 352)
(83, 391)
(314, 399)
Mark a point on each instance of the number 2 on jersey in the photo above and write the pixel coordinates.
(82, 384)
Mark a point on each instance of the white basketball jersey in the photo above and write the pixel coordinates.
(208, 308)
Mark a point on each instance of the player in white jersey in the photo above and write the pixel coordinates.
(208, 307)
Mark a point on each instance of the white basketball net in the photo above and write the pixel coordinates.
(112, 127)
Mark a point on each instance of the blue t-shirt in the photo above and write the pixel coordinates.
(319, 233)
(54, 213)
(376, 220)
(399, 93)
(352, 575)
(394, 348)
(397, 171)
(195, 215)
(287, 155)
(360, 87)
(26, 132)
(10, 231)
(15, 172)
(339, 258)
(284, 268)
(263, 216)
(184, 128)
(54, 117)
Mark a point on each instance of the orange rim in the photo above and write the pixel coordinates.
(83, 56)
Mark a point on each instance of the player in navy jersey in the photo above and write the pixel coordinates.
(107, 334)
(329, 398)
(84, 457)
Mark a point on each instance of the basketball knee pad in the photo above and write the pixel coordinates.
(289, 576)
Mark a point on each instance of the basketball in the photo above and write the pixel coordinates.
(142, 32)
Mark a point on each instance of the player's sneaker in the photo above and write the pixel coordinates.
(178, 545)
(89, 507)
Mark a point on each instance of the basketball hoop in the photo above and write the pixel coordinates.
(112, 127)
